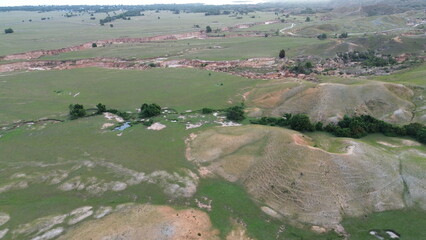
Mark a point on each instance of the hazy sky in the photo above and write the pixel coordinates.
(130, 2)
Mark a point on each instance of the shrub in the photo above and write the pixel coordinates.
(101, 108)
(206, 110)
(301, 122)
(322, 36)
(235, 113)
(208, 29)
(282, 53)
(94, 45)
(8, 30)
(150, 110)
(76, 111)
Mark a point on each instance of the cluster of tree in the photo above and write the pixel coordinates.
(360, 126)
(300, 68)
(76, 111)
(150, 110)
(235, 113)
(352, 127)
(367, 58)
(322, 36)
(125, 16)
(8, 30)
(298, 122)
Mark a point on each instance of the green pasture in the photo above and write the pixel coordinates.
(60, 31)
(34, 95)
(206, 49)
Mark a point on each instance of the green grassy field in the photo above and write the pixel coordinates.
(49, 169)
(34, 95)
(408, 223)
(49, 34)
(208, 49)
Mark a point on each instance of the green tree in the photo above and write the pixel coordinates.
(282, 53)
(150, 110)
(235, 113)
(208, 29)
(308, 19)
(206, 110)
(343, 35)
(101, 108)
(301, 122)
(77, 111)
(8, 30)
(322, 36)
(94, 45)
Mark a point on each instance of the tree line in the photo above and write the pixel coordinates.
(352, 127)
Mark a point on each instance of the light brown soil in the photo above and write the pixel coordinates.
(147, 222)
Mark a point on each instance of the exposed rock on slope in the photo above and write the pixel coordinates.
(279, 168)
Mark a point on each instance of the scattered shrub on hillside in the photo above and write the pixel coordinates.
(76, 111)
(300, 68)
(367, 58)
(308, 19)
(8, 30)
(94, 45)
(150, 110)
(235, 113)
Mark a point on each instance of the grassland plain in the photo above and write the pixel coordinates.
(49, 34)
(34, 95)
(55, 176)
(206, 49)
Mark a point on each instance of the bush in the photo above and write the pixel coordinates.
(282, 53)
(301, 122)
(235, 113)
(150, 110)
(206, 110)
(344, 35)
(77, 111)
(94, 45)
(322, 36)
(208, 29)
(101, 108)
(8, 30)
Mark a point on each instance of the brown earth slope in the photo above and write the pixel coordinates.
(279, 168)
